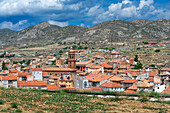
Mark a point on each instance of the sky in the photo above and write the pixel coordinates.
(20, 14)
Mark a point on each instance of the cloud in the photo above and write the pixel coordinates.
(129, 10)
(95, 10)
(145, 3)
(61, 24)
(9, 25)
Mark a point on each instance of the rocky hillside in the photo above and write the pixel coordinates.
(121, 31)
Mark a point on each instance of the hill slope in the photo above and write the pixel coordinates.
(121, 30)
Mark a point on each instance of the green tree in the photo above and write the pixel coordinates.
(136, 58)
(60, 51)
(85, 47)
(139, 65)
(66, 62)
(28, 62)
(4, 66)
(157, 50)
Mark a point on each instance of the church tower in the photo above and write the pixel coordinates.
(71, 59)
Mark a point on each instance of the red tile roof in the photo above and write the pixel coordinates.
(116, 78)
(36, 69)
(45, 73)
(167, 90)
(129, 91)
(23, 74)
(8, 77)
(52, 87)
(90, 65)
(59, 69)
(96, 89)
(106, 65)
(165, 69)
(33, 83)
(111, 84)
(129, 81)
(14, 71)
(97, 77)
(95, 67)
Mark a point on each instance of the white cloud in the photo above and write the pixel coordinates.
(95, 10)
(61, 24)
(128, 10)
(19, 7)
(126, 2)
(145, 3)
(10, 25)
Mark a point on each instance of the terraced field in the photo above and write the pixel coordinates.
(30, 101)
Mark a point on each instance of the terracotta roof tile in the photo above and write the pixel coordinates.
(52, 87)
(167, 90)
(116, 78)
(36, 69)
(129, 91)
(33, 83)
(129, 81)
(8, 77)
(95, 67)
(58, 69)
(97, 77)
(165, 69)
(45, 73)
(106, 65)
(111, 84)
(90, 65)
(96, 89)
(133, 87)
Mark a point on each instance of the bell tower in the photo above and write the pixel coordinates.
(71, 59)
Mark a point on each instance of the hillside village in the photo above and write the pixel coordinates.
(83, 70)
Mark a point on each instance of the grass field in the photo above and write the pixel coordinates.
(23, 100)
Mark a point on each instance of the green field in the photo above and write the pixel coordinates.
(29, 100)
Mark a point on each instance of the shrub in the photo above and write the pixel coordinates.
(18, 111)
(14, 105)
(157, 50)
(1, 102)
(144, 99)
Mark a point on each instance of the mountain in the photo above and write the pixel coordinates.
(120, 30)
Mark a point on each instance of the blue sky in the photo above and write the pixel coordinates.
(20, 14)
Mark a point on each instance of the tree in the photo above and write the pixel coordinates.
(4, 66)
(66, 62)
(60, 51)
(28, 62)
(85, 47)
(136, 58)
(139, 65)
(157, 50)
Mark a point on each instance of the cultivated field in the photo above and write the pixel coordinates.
(30, 101)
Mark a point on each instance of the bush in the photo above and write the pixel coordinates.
(157, 50)
(18, 111)
(14, 105)
(1, 102)
(144, 99)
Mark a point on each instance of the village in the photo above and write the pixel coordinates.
(84, 70)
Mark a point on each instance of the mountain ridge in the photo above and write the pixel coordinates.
(121, 31)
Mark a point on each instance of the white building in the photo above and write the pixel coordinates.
(37, 74)
(8, 81)
(110, 86)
